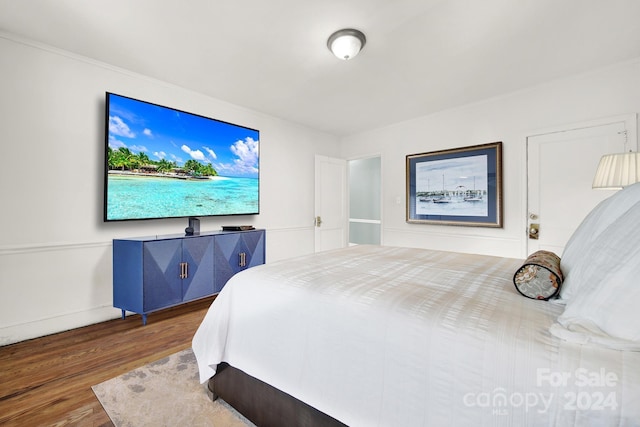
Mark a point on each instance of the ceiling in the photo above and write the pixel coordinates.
(421, 56)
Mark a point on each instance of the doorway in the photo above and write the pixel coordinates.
(365, 219)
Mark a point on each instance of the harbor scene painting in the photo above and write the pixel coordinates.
(461, 186)
(164, 163)
(452, 187)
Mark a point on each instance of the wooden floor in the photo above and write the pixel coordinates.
(47, 381)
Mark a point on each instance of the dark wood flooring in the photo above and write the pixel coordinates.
(47, 381)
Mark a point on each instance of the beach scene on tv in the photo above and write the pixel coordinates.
(456, 186)
(163, 163)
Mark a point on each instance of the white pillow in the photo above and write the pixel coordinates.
(606, 308)
(601, 217)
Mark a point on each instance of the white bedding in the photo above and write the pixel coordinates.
(381, 336)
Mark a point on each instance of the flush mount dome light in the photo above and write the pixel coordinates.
(347, 43)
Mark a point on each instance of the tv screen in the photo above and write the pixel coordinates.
(166, 163)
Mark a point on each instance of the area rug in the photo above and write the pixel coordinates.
(165, 393)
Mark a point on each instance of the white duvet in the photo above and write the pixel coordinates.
(381, 336)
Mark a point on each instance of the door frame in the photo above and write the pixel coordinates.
(631, 125)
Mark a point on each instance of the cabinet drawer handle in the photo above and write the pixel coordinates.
(242, 259)
(184, 272)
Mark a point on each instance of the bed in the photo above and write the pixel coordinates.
(389, 336)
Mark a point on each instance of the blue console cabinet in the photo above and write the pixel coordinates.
(152, 273)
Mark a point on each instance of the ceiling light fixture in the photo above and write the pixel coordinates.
(346, 43)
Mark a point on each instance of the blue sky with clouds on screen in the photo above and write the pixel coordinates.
(164, 133)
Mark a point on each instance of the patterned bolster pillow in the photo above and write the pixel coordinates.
(540, 276)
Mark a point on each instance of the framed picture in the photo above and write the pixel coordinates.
(461, 186)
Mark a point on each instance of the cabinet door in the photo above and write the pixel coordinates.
(255, 245)
(197, 253)
(235, 252)
(162, 283)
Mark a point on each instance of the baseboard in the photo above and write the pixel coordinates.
(52, 325)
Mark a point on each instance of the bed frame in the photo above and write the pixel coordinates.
(263, 404)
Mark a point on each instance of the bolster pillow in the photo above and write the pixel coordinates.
(540, 276)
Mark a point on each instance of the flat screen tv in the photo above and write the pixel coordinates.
(165, 163)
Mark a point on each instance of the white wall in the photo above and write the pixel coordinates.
(602, 93)
(55, 251)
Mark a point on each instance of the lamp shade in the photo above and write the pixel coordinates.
(346, 44)
(617, 170)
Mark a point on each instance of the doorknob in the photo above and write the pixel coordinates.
(534, 231)
(318, 221)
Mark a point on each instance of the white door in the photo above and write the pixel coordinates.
(330, 203)
(561, 166)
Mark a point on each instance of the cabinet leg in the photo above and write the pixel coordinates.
(144, 319)
(123, 315)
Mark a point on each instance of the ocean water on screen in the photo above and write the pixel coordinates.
(151, 197)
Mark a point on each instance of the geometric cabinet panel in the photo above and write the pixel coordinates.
(236, 252)
(161, 261)
(197, 253)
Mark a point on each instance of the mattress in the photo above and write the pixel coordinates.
(385, 336)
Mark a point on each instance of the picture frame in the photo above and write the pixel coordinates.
(460, 186)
